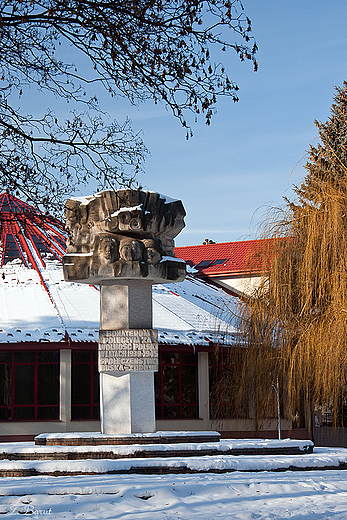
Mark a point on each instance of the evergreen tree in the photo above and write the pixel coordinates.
(327, 163)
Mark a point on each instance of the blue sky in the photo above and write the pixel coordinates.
(229, 173)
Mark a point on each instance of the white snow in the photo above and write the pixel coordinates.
(165, 197)
(215, 463)
(123, 210)
(194, 312)
(191, 312)
(304, 495)
(222, 446)
(88, 198)
(172, 259)
(20, 314)
(78, 254)
(83, 200)
(168, 433)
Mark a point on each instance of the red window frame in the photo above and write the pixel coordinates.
(91, 410)
(13, 406)
(180, 408)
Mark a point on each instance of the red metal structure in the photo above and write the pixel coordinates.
(28, 234)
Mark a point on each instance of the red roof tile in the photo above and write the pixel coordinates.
(238, 257)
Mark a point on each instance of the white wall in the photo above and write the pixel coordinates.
(240, 285)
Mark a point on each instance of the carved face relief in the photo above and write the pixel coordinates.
(130, 250)
(152, 256)
(108, 249)
(152, 253)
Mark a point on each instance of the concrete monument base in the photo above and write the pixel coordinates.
(163, 438)
(127, 402)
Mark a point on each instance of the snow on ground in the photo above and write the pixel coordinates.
(314, 495)
(298, 495)
(222, 445)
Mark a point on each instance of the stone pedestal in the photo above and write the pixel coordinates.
(126, 305)
(128, 357)
(127, 402)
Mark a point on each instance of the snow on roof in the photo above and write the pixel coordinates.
(36, 304)
(191, 312)
(227, 258)
(27, 314)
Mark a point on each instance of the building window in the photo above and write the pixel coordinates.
(176, 386)
(227, 401)
(29, 385)
(85, 385)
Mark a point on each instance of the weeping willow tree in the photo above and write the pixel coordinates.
(295, 323)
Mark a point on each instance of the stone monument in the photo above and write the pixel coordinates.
(123, 241)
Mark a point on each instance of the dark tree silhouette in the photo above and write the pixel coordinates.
(138, 49)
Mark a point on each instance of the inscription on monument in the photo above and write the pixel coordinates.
(128, 350)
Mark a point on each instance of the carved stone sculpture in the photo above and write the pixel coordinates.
(123, 234)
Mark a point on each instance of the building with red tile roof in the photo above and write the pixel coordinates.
(235, 266)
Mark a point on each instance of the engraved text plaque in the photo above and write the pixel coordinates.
(128, 350)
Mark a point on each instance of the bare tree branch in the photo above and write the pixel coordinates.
(138, 49)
